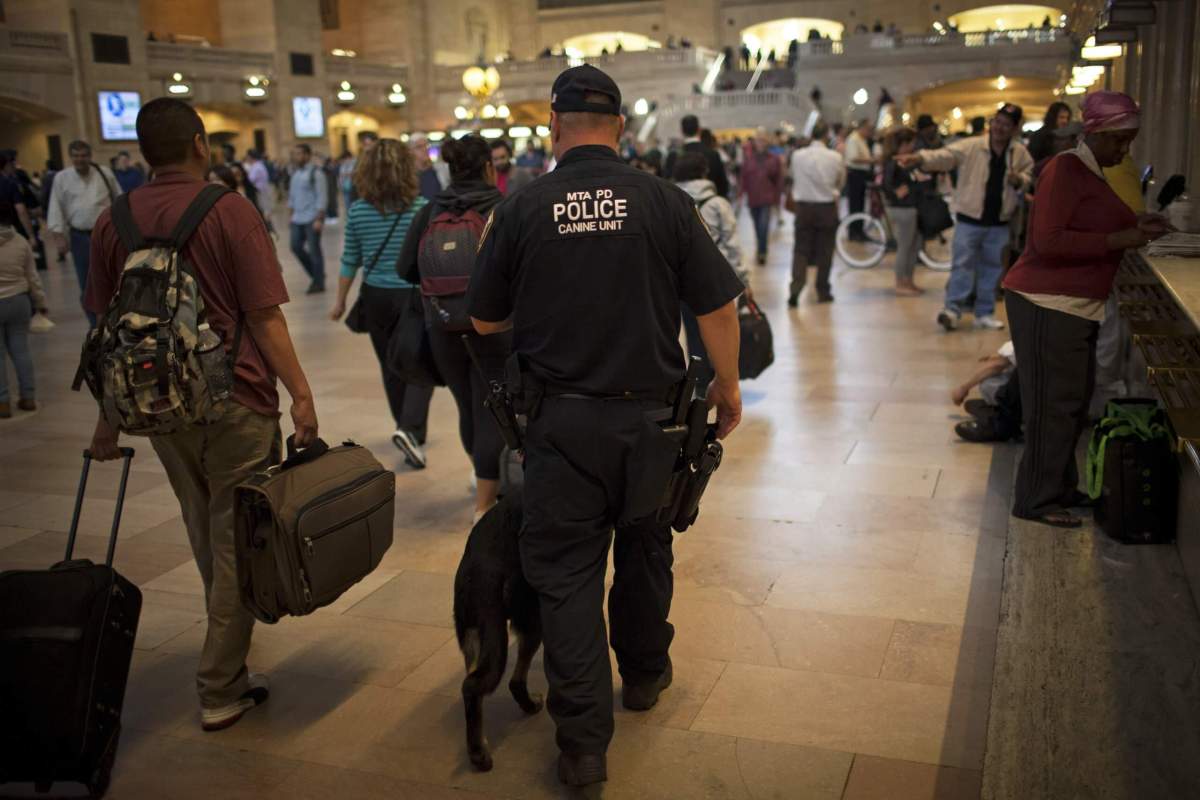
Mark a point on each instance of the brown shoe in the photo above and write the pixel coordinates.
(5, 411)
(27, 404)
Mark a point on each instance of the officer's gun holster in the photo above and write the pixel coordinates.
(499, 404)
(698, 458)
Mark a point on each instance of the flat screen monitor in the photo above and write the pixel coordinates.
(308, 117)
(118, 116)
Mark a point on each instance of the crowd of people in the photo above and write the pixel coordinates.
(413, 223)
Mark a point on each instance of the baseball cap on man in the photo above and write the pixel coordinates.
(572, 87)
(1013, 112)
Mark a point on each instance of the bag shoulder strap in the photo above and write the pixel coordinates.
(383, 246)
(703, 202)
(112, 195)
(127, 229)
(195, 213)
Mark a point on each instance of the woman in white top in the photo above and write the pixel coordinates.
(20, 294)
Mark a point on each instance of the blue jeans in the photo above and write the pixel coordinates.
(306, 246)
(81, 256)
(15, 313)
(761, 215)
(978, 250)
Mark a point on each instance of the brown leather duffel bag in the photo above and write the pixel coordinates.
(310, 528)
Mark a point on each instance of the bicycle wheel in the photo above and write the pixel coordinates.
(864, 253)
(937, 253)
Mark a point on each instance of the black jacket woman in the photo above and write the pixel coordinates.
(472, 187)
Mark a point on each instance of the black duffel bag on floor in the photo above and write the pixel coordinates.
(758, 347)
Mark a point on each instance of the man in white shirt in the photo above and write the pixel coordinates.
(818, 175)
(860, 166)
(78, 197)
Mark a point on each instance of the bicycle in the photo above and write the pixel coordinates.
(868, 251)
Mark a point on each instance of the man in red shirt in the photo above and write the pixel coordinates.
(239, 276)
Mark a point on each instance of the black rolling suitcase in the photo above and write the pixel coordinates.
(66, 640)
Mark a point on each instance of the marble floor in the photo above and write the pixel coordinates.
(836, 606)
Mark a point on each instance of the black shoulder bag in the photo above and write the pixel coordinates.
(356, 317)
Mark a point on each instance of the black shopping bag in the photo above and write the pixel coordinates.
(758, 348)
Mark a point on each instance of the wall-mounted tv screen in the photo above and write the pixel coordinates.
(118, 116)
(308, 117)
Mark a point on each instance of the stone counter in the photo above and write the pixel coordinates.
(1160, 303)
(1181, 277)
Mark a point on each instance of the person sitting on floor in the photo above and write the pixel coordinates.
(996, 414)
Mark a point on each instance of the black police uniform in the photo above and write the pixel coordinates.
(591, 262)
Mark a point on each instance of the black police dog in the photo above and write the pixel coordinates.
(489, 591)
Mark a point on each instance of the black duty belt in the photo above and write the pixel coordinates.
(653, 395)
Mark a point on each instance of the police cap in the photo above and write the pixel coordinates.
(572, 87)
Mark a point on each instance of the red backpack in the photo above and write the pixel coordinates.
(446, 259)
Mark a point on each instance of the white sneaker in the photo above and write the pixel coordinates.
(989, 323)
(948, 318)
(218, 719)
(414, 455)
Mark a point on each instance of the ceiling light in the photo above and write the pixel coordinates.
(460, 112)
(345, 86)
(436, 136)
(488, 112)
(542, 130)
(256, 92)
(1002, 83)
(957, 112)
(396, 88)
(492, 133)
(502, 111)
(1072, 89)
(346, 95)
(179, 88)
(177, 77)
(254, 80)
(641, 106)
(397, 98)
(404, 137)
(1086, 76)
(520, 131)
(861, 97)
(1094, 52)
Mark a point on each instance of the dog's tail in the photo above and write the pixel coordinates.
(485, 651)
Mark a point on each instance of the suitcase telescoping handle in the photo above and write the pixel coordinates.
(126, 460)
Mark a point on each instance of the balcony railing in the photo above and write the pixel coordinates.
(733, 100)
(883, 41)
(201, 60)
(342, 68)
(34, 43)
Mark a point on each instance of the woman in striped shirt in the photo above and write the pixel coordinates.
(376, 227)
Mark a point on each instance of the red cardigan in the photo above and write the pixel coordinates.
(1067, 253)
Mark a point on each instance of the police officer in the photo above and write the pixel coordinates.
(587, 266)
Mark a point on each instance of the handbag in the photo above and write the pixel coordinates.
(933, 215)
(409, 355)
(356, 317)
(309, 529)
(757, 351)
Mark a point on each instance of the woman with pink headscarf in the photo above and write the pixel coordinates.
(1079, 229)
